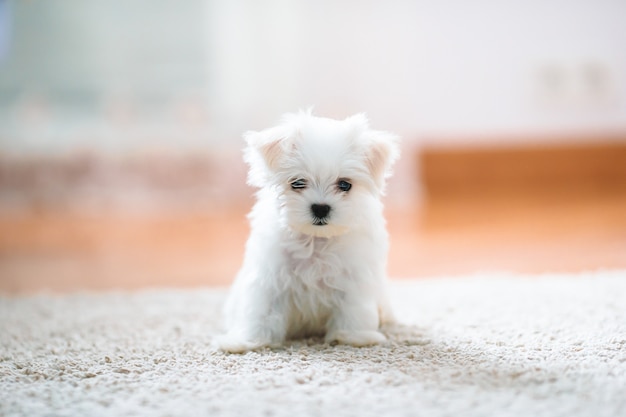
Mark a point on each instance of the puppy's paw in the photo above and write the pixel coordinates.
(236, 344)
(356, 338)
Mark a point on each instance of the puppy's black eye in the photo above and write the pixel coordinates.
(344, 185)
(298, 184)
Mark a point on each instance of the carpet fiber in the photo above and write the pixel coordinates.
(474, 346)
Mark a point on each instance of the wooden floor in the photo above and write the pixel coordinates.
(60, 251)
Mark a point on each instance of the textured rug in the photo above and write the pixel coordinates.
(552, 345)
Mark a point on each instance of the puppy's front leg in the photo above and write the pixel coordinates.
(355, 322)
(258, 323)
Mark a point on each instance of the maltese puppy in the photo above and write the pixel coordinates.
(316, 257)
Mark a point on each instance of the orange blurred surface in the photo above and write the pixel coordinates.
(63, 251)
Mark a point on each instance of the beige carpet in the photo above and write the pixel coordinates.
(473, 346)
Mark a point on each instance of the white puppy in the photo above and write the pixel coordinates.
(316, 256)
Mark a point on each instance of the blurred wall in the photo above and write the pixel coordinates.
(196, 73)
(106, 75)
(444, 70)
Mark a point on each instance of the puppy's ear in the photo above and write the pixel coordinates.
(264, 152)
(268, 144)
(381, 153)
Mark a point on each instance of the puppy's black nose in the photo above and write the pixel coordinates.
(320, 210)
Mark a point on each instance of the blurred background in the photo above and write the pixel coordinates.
(121, 123)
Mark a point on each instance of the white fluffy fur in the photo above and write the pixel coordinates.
(299, 278)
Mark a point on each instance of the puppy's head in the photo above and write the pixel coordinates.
(328, 174)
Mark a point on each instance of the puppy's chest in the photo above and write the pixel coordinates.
(317, 266)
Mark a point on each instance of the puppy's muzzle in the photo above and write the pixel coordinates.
(320, 212)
